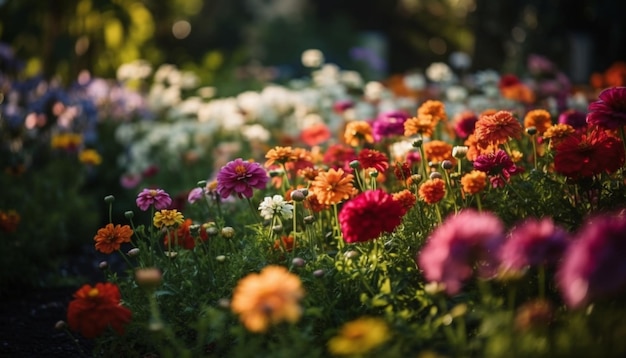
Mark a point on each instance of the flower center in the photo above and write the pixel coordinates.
(93, 292)
(240, 170)
(153, 193)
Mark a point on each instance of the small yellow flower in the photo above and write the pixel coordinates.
(90, 156)
(167, 218)
(359, 336)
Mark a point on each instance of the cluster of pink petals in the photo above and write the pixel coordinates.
(157, 197)
(464, 242)
(609, 111)
(240, 177)
(368, 215)
(498, 165)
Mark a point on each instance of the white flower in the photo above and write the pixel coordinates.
(312, 58)
(275, 205)
(439, 72)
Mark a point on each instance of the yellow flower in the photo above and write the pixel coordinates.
(269, 297)
(359, 336)
(167, 218)
(90, 156)
(357, 133)
(68, 141)
(474, 182)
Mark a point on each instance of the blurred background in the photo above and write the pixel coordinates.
(266, 37)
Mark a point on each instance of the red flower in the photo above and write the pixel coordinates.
(368, 215)
(609, 111)
(339, 156)
(96, 308)
(184, 237)
(373, 159)
(584, 154)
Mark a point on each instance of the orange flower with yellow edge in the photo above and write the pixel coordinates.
(359, 337)
(111, 237)
(268, 298)
(357, 133)
(279, 155)
(333, 186)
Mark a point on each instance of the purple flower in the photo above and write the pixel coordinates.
(464, 123)
(609, 111)
(593, 266)
(157, 197)
(194, 195)
(499, 167)
(387, 124)
(574, 118)
(464, 241)
(533, 243)
(241, 177)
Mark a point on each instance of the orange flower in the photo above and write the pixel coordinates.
(312, 203)
(90, 157)
(358, 132)
(557, 133)
(94, 309)
(497, 129)
(267, 298)
(432, 190)
(315, 134)
(110, 238)
(437, 151)
(285, 243)
(333, 186)
(423, 125)
(406, 198)
(436, 109)
(518, 92)
(278, 155)
(473, 150)
(9, 220)
(538, 118)
(300, 159)
(474, 182)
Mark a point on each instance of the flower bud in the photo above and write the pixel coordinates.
(435, 175)
(129, 214)
(149, 278)
(418, 143)
(109, 199)
(297, 195)
(351, 254)
(531, 130)
(103, 265)
(374, 174)
(223, 303)
(220, 258)
(212, 231)
(309, 219)
(228, 232)
(60, 325)
(134, 252)
(277, 229)
(459, 151)
(298, 262)
(202, 184)
(447, 165)
(354, 164)
(319, 273)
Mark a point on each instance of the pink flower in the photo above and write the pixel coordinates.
(368, 215)
(389, 124)
(241, 177)
(609, 111)
(499, 167)
(593, 266)
(157, 197)
(194, 195)
(464, 241)
(532, 243)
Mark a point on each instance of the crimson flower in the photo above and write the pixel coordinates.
(241, 177)
(498, 165)
(96, 308)
(609, 111)
(339, 156)
(373, 159)
(585, 154)
(368, 215)
(183, 235)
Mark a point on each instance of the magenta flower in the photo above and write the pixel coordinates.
(574, 118)
(194, 195)
(609, 111)
(157, 197)
(534, 243)
(241, 177)
(593, 266)
(465, 123)
(499, 167)
(368, 215)
(389, 124)
(464, 242)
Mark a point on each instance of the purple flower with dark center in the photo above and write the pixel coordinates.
(574, 118)
(534, 243)
(464, 242)
(241, 177)
(389, 124)
(593, 266)
(157, 197)
(609, 111)
(498, 165)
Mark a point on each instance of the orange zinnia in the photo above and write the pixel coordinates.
(474, 182)
(333, 186)
(436, 109)
(406, 198)
(473, 150)
(437, 151)
(496, 129)
(538, 118)
(432, 190)
(358, 132)
(423, 125)
(267, 298)
(110, 237)
(278, 155)
(557, 133)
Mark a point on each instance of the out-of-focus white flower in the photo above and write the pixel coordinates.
(439, 72)
(374, 91)
(327, 75)
(352, 79)
(255, 132)
(399, 150)
(456, 93)
(460, 60)
(275, 205)
(135, 70)
(312, 58)
(250, 103)
(162, 73)
(206, 92)
(415, 81)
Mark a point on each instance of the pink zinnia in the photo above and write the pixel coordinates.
(241, 177)
(368, 215)
(534, 243)
(195, 194)
(464, 241)
(157, 197)
(610, 110)
(498, 165)
(389, 124)
(593, 266)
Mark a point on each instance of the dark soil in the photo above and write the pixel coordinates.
(28, 314)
